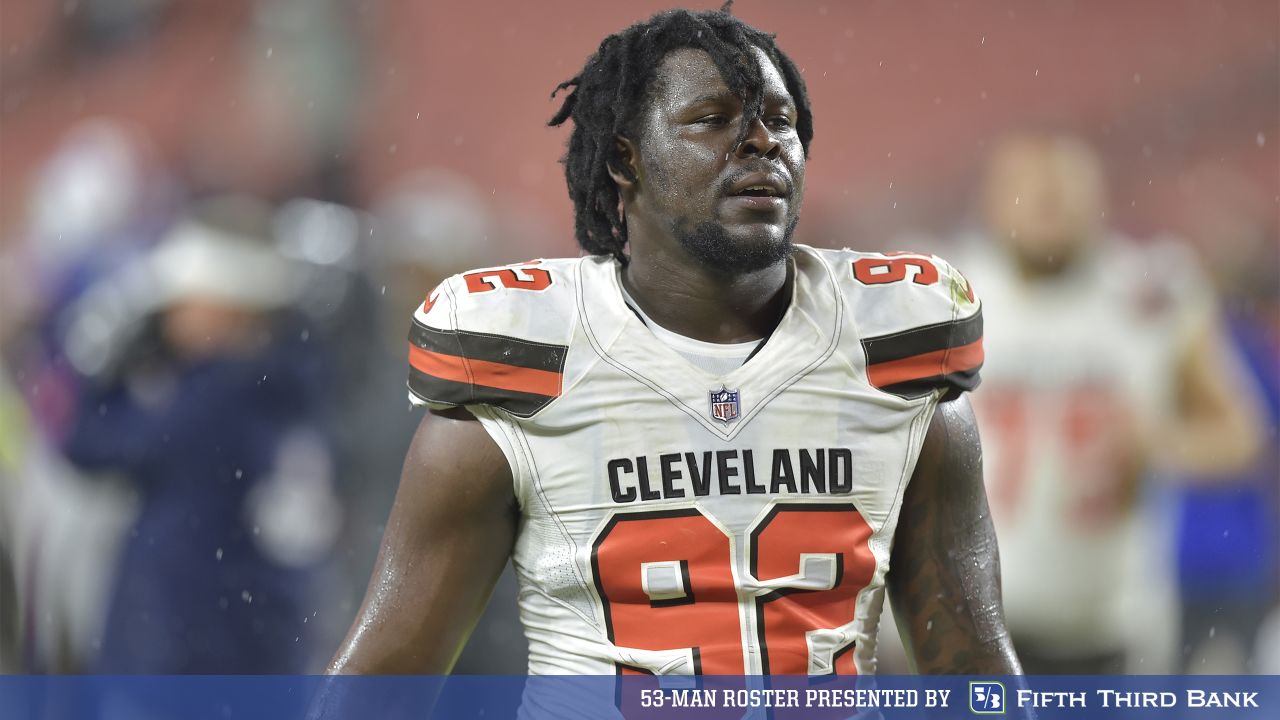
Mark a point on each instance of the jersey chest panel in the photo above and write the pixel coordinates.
(671, 549)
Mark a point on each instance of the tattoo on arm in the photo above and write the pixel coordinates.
(944, 577)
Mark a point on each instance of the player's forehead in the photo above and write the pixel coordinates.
(687, 76)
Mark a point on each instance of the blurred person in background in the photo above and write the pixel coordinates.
(95, 204)
(13, 426)
(198, 392)
(1228, 530)
(1107, 361)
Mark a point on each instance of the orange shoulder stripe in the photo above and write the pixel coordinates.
(483, 372)
(927, 365)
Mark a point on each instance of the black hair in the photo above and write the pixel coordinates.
(608, 95)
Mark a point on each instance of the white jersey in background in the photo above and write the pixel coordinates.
(677, 521)
(1081, 365)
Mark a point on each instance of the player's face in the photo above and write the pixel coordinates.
(1044, 199)
(731, 205)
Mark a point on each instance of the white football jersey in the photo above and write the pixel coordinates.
(678, 522)
(1081, 364)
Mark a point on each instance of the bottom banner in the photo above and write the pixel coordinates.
(636, 697)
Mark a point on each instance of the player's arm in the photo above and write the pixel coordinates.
(1216, 429)
(449, 536)
(944, 573)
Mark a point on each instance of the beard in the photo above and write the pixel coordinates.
(710, 244)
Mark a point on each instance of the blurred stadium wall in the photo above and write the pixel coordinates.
(907, 94)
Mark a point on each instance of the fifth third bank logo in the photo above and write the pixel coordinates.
(986, 698)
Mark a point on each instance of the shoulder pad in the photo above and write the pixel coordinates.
(919, 321)
(495, 336)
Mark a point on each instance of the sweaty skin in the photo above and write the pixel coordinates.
(944, 573)
(451, 531)
(685, 160)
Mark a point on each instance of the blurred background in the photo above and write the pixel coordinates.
(217, 216)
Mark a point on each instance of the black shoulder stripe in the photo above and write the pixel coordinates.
(927, 339)
(954, 383)
(491, 348)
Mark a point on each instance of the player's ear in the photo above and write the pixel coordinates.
(627, 176)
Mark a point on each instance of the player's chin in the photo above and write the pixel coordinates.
(761, 234)
(737, 248)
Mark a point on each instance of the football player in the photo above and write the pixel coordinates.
(704, 448)
(1104, 351)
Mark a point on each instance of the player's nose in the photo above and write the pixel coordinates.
(759, 142)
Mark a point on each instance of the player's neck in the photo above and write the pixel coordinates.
(1037, 266)
(686, 298)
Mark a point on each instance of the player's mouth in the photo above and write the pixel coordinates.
(760, 191)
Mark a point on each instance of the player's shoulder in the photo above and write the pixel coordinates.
(917, 319)
(505, 299)
(496, 336)
(893, 291)
(1157, 281)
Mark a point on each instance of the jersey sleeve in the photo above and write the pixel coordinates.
(920, 325)
(468, 350)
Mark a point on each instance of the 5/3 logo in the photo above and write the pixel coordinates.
(986, 698)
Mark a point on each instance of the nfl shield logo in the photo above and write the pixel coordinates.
(724, 405)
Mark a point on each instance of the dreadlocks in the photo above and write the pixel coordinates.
(606, 98)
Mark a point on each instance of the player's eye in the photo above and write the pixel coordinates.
(781, 122)
(713, 120)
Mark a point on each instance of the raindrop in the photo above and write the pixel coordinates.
(218, 554)
(270, 51)
(1213, 630)
(1261, 139)
(306, 335)
(246, 596)
(239, 473)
